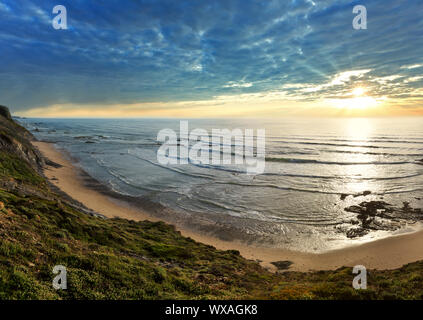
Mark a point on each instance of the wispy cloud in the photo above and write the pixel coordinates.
(163, 51)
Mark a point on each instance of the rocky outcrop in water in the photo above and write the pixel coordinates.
(379, 215)
(362, 194)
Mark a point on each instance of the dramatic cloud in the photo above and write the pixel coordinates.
(126, 52)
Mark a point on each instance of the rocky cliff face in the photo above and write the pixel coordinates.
(4, 112)
(15, 140)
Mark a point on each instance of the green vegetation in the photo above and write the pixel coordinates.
(110, 259)
(121, 259)
(11, 167)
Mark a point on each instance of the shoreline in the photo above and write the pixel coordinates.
(388, 253)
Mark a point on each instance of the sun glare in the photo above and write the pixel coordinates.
(358, 92)
(355, 103)
(358, 100)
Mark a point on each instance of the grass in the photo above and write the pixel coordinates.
(111, 259)
(12, 167)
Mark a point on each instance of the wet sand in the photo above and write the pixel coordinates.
(388, 253)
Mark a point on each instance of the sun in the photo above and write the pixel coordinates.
(358, 99)
(359, 91)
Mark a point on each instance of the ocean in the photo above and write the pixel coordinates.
(315, 169)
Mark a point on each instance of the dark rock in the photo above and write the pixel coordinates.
(282, 265)
(368, 215)
(379, 215)
(354, 209)
(357, 232)
(52, 164)
(365, 193)
(4, 112)
(344, 196)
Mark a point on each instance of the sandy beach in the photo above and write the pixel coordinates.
(386, 253)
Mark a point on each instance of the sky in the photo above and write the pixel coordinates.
(167, 58)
